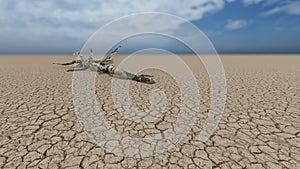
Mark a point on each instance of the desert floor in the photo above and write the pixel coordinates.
(260, 126)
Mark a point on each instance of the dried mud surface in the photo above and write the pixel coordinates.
(260, 126)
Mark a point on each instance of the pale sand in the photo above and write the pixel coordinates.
(260, 127)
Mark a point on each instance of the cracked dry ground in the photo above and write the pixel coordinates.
(259, 127)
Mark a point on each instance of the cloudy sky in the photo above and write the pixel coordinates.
(233, 26)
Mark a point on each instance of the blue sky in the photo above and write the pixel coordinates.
(233, 26)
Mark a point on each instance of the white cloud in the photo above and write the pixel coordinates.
(253, 2)
(79, 19)
(236, 24)
(269, 2)
(66, 21)
(291, 8)
(99, 12)
(56, 21)
(230, 1)
(250, 2)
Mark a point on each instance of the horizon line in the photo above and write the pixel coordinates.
(233, 53)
